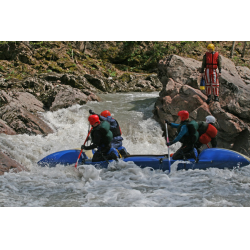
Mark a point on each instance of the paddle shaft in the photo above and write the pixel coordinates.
(168, 147)
(81, 149)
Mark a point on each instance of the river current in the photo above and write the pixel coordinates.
(122, 184)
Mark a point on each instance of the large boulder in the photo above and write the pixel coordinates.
(19, 112)
(180, 79)
(67, 96)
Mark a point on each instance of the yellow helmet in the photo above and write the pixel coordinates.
(210, 46)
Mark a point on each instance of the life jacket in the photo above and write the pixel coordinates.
(104, 129)
(193, 134)
(212, 60)
(114, 126)
(208, 135)
(116, 130)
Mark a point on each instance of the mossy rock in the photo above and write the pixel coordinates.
(125, 77)
(66, 63)
(51, 55)
(54, 67)
(73, 68)
(38, 56)
(40, 67)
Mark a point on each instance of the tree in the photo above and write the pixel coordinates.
(232, 50)
(244, 49)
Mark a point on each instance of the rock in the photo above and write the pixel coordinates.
(155, 82)
(100, 83)
(19, 112)
(244, 73)
(3, 83)
(178, 68)
(67, 96)
(4, 128)
(7, 164)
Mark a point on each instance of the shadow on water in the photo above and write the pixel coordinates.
(143, 106)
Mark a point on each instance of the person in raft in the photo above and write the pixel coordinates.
(207, 133)
(187, 134)
(101, 138)
(211, 61)
(115, 129)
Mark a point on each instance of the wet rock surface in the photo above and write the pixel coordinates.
(7, 164)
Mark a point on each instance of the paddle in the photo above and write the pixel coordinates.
(81, 149)
(168, 148)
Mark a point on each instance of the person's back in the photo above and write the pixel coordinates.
(101, 134)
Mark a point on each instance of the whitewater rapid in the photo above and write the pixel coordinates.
(122, 184)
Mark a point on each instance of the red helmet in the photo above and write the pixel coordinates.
(105, 113)
(93, 119)
(183, 115)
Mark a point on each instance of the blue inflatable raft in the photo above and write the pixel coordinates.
(209, 158)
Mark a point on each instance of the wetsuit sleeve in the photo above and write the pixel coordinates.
(174, 125)
(203, 66)
(183, 131)
(219, 63)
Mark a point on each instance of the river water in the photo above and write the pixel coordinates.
(121, 185)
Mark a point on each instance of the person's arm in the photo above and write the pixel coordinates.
(183, 131)
(174, 125)
(203, 66)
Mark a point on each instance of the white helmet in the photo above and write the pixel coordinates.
(210, 119)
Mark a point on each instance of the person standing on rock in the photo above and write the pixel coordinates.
(207, 133)
(187, 135)
(101, 138)
(211, 61)
(115, 129)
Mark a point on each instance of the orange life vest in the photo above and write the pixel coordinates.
(208, 135)
(212, 60)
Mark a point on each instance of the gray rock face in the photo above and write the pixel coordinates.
(67, 96)
(180, 79)
(18, 113)
(4, 128)
(126, 83)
